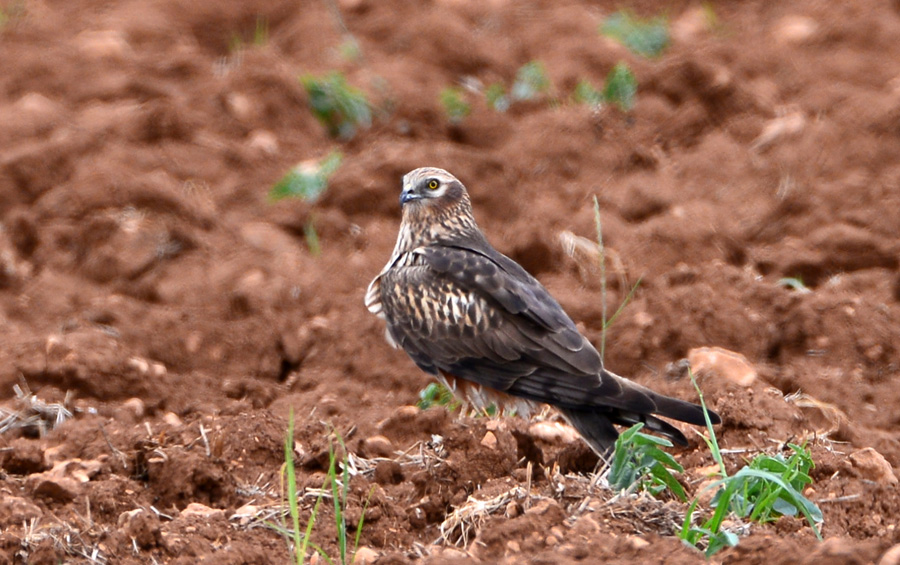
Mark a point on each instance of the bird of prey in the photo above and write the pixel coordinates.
(491, 333)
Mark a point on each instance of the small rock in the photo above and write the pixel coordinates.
(514, 546)
(240, 106)
(173, 420)
(891, 556)
(140, 525)
(551, 541)
(489, 441)
(63, 482)
(15, 510)
(136, 407)
(795, 30)
(445, 554)
(638, 543)
(202, 511)
(378, 446)
(691, 25)
(244, 514)
(545, 506)
(512, 509)
(871, 465)
(103, 44)
(586, 526)
(22, 457)
(365, 556)
(388, 473)
(553, 432)
(778, 128)
(263, 141)
(723, 363)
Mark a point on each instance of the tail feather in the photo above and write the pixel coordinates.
(596, 424)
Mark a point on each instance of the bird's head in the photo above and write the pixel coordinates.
(430, 187)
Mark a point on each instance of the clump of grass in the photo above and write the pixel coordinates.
(620, 87)
(436, 394)
(585, 93)
(496, 97)
(301, 543)
(638, 462)
(768, 487)
(455, 106)
(341, 108)
(339, 487)
(646, 37)
(531, 80)
(307, 180)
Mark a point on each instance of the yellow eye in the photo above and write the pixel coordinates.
(433, 184)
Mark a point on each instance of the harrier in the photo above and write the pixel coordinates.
(491, 333)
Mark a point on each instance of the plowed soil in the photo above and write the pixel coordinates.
(150, 286)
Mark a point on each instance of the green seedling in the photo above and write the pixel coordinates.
(496, 97)
(455, 106)
(339, 488)
(531, 80)
(436, 394)
(341, 108)
(645, 37)
(638, 462)
(768, 487)
(307, 180)
(585, 93)
(620, 87)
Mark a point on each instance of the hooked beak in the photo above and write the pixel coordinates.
(408, 195)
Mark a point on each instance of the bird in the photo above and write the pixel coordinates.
(491, 333)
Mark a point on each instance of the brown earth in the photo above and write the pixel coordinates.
(149, 284)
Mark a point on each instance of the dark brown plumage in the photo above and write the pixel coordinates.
(491, 332)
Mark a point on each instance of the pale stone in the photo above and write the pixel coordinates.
(378, 446)
(263, 141)
(638, 543)
(365, 556)
(723, 363)
(173, 420)
(202, 511)
(873, 466)
(553, 432)
(891, 556)
(795, 29)
(489, 440)
(101, 44)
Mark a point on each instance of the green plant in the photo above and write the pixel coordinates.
(341, 108)
(496, 97)
(455, 106)
(646, 37)
(638, 461)
(620, 87)
(311, 235)
(339, 493)
(601, 252)
(768, 487)
(301, 543)
(307, 180)
(531, 80)
(436, 394)
(585, 93)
